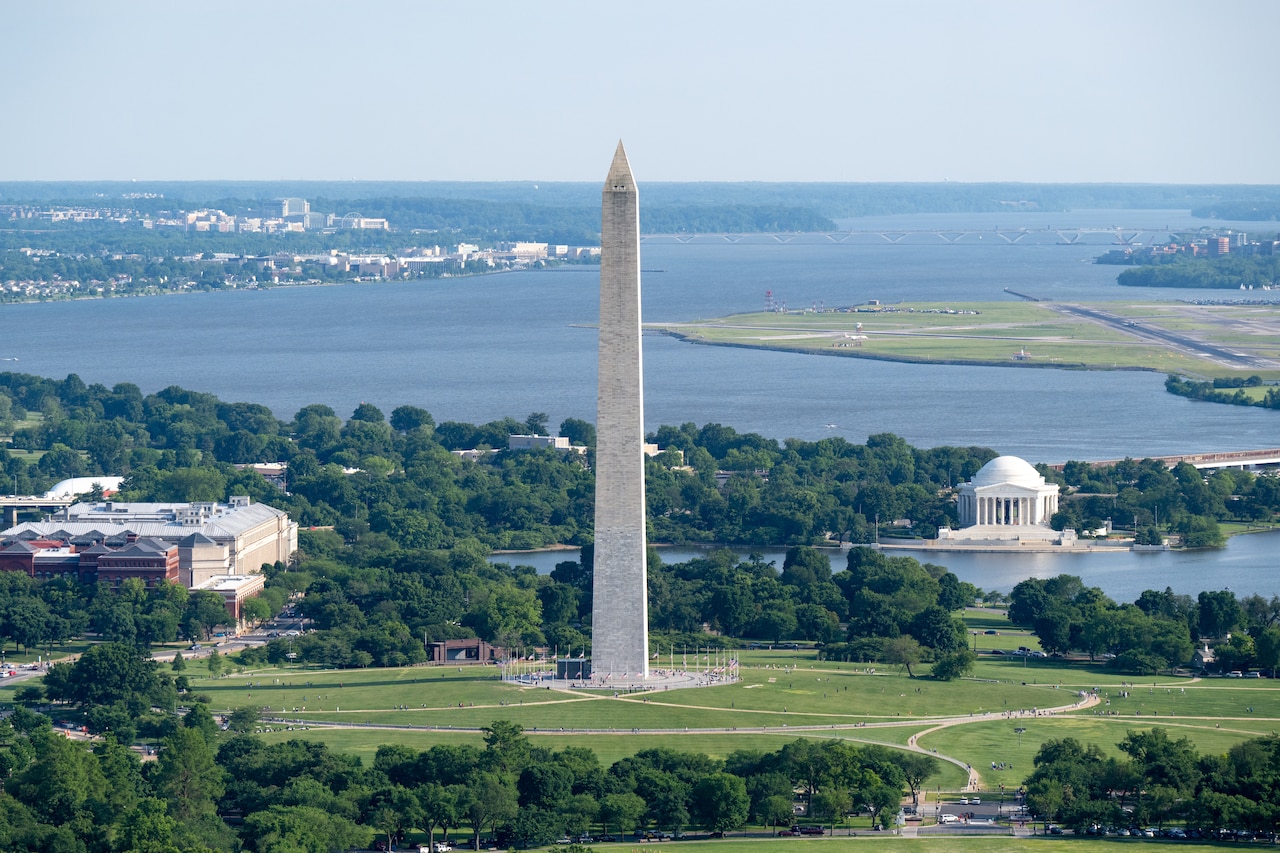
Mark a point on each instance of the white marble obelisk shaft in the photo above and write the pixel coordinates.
(620, 608)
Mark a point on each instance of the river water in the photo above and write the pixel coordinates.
(478, 349)
(1247, 566)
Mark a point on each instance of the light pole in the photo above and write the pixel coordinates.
(1018, 731)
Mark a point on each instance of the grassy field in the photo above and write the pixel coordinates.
(934, 844)
(782, 695)
(1011, 333)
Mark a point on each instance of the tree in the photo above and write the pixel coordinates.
(506, 747)
(188, 776)
(902, 651)
(108, 673)
(1220, 613)
(831, 804)
(720, 802)
(304, 829)
(621, 810)
(775, 811)
(544, 786)
(147, 828)
(368, 412)
(410, 418)
(63, 784)
(214, 663)
(488, 801)
(935, 628)
(955, 665)
(391, 811)
(536, 423)
(578, 432)
(200, 719)
(205, 611)
(918, 769)
(437, 807)
(1267, 649)
(243, 719)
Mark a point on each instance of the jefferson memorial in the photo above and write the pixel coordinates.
(1006, 500)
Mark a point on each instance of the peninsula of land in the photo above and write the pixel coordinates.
(1200, 338)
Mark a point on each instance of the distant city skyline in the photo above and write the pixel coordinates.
(1148, 91)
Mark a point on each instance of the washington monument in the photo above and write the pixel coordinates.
(620, 609)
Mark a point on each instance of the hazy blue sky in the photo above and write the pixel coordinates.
(1070, 90)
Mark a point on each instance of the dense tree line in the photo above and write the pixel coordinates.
(181, 445)
(712, 484)
(38, 615)
(378, 606)
(60, 795)
(1223, 390)
(1158, 780)
(1148, 494)
(1157, 632)
(1227, 272)
(1235, 209)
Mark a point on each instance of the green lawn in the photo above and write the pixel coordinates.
(782, 695)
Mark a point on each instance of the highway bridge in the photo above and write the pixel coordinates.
(1225, 459)
(1114, 235)
(13, 504)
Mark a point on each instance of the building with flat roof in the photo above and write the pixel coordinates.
(209, 539)
(235, 590)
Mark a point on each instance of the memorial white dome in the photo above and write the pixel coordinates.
(1008, 469)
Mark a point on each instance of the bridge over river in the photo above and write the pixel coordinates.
(1225, 459)
(1114, 235)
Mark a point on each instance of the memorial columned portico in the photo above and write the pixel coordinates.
(1019, 511)
(1007, 498)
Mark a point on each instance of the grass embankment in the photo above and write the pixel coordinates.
(1013, 333)
(782, 695)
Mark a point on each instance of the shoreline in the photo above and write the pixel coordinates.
(1084, 546)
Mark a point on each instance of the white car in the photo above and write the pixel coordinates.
(948, 818)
